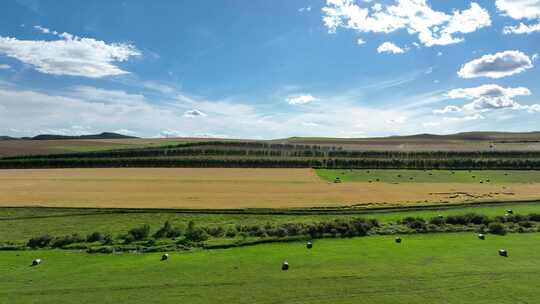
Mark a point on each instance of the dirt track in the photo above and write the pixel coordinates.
(227, 188)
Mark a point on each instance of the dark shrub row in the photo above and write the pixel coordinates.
(193, 234)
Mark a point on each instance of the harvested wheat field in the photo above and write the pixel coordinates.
(229, 188)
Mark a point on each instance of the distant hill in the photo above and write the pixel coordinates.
(7, 138)
(104, 135)
(465, 136)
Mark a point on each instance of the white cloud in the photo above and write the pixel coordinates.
(390, 48)
(447, 109)
(305, 9)
(70, 55)
(416, 16)
(465, 118)
(301, 99)
(497, 65)
(5, 67)
(194, 113)
(489, 97)
(534, 56)
(360, 41)
(98, 110)
(522, 29)
(519, 9)
(439, 54)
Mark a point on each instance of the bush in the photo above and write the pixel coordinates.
(466, 219)
(525, 224)
(66, 240)
(534, 217)
(439, 221)
(216, 231)
(40, 241)
(94, 237)
(167, 231)
(195, 234)
(497, 228)
(107, 240)
(140, 233)
(414, 223)
(231, 232)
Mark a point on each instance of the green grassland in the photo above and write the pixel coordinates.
(434, 268)
(431, 176)
(21, 224)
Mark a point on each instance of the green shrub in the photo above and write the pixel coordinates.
(167, 231)
(231, 232)
(525, 224)
(40, 241)
(195, 234)
(415, 223)
(497, 228)
(107, 239)
(140, 233)
(66, 240)
(94, 237)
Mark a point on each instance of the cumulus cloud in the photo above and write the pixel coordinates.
(69, 55)
(488, 97)
(301, 99)
(390, 48)
(305, 9)
(360, 41)
(519, 9)
(415, 16)
(522, 28)
(497, 65)
(194, 113)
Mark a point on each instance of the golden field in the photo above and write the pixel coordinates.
(230, 188)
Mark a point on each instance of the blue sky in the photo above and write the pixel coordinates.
(268, 69)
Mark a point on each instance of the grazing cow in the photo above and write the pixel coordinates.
(165, 257)
(285, 266)
(36, 262)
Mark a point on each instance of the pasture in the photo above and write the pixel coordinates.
(18, 225)
(232, 188)
(431, 176)
(434, 268)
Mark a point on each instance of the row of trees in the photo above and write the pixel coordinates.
(275, 162)
(285, 151)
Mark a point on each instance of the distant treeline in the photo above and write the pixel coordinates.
(194, 162)
(274, 155)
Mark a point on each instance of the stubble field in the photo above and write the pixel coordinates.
(232, 188)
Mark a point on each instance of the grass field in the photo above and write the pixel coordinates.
(20, 224)
(232, 188)
(431, 176)
(436, 268)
